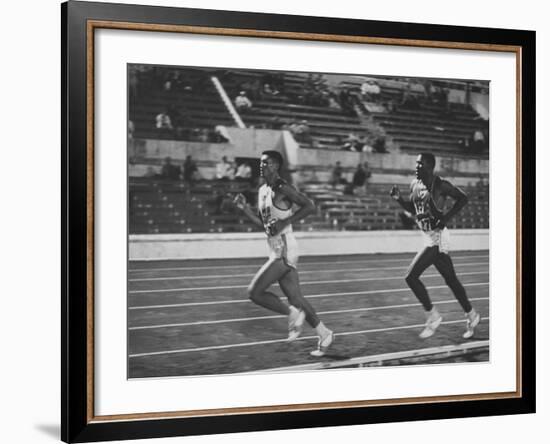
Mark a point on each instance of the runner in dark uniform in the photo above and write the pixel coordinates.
(427, 196)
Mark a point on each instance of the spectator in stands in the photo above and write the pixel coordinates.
(370, 90)
(337, 178)
(353, 143)
(224, 169)
(189, 170)
(242, 102)
(203, 135)
(345, 101)
(478, 140)
(332, 102)
(301, 132)
(163, 123)
(359, 177)
(269, 84)
(244, 172)
(169, 170)
(378, 139)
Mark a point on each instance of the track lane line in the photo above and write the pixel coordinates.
(321, 295)
(279, 341)
(222, 276)
(228, 287)
(258, 318)
(209, 267)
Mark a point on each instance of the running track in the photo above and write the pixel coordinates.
(192, 317)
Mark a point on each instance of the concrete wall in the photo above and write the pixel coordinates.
(241, 245)
(309, 164)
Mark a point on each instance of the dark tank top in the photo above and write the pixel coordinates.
(422, 199)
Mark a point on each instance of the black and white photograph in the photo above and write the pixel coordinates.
(284, 221)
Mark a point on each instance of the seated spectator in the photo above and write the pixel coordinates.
(353, 143)
(359, 176)
(189, 170)
(370, 90)
(269, 84)
(379, 144)
(224, 169)
(163, 123)
(346, 101)
(478, 136)
(244, 172)
(478, 140)
(332, 103)
(169, 170)
(301, 132)
(378, 139)
(242, 102)
(203, 135)
(337, 178)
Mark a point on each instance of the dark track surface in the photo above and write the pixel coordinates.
(193, 317)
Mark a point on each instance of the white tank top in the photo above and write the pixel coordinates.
(269, 211)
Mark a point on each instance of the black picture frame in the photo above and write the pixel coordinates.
(78, 423)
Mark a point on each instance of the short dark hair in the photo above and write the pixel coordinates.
(430, 158)
(276, 156)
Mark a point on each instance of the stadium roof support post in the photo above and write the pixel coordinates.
(227, 101)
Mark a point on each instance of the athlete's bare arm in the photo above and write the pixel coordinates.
(240, 202)
(407, 205)
(305, 204)
(448, 189)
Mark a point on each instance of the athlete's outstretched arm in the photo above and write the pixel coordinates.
(305, 204)
(407, 205)
(460, 198)
(240, 202)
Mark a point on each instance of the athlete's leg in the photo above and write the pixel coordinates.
(290, 284)
(271, 271)
(444, 265)
(422, 260)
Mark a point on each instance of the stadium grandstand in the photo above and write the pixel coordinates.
(194, 139)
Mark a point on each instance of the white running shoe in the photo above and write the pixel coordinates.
(471, 323)
(295, 323)
(323, 345)
(432, 322)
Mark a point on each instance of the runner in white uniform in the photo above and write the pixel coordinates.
(283, 244)
(275, 200)
(428, 194)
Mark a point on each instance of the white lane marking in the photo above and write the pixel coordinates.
(278, 341)
(258, 318)
(228, 287)
(219, 267)
(321, 295)
(221, 276)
